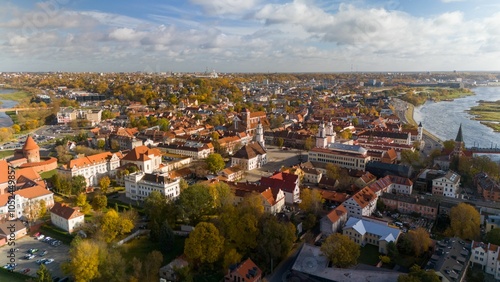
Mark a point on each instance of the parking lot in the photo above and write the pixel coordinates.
(276, 158)
(59, 254)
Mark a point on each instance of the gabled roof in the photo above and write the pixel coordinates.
(364, 197)
(285, 181)
(65, 212)
(97, 158)
(248, 270)
(383, 231)
(30, 144)
(250, 151)
(337, 213)
(141, 153)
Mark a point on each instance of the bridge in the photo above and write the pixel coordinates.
(490, 150)
(21, 109)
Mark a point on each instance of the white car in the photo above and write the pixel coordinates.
(40, 237)
(48, 261)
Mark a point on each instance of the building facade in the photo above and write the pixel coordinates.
(139, 185)
(92, 168)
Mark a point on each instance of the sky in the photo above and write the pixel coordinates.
(249, 35)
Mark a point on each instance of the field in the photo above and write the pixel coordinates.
(18, 96)
(4, 154)
(488, 113)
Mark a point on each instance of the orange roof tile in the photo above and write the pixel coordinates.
(33, 192)
(65, 212)
(30, 144)
(4, 171)
(337, 213)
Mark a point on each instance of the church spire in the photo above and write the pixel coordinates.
(460, 137)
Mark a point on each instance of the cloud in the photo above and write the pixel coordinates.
(226, 7)
(451, 1)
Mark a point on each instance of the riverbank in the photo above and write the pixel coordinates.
(488, 113)
(18, 96)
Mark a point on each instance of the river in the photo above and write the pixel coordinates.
(444, 118)
(5, 120)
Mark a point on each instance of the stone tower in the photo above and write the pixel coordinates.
(420, 132)
(259, 135)
(459, 143)
(321, 139)
(31, 151)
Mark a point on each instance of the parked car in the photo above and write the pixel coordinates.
(26, 270)
(40, 261)
(40, 237)
(44, 252)
(32, 251)
(49, 261)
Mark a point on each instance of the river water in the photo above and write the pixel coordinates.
(5, 120)
(444, 118)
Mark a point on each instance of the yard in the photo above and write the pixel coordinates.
(6, 275)
(141, 247)
(48, 174)
(7, 153)
(369, 255)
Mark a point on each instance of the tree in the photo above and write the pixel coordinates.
(166, 236)
(280, 142)
(204, 244)
(196, 202)
(104, 183)
(81, 200)
(253, 203)
(449, 145)
(183, 184)
(113, 225)
(84, 261)
(43, 208)
(420, 239)
(99, 202)
(78, 184)
(464, 222)
(215, 163)
(112, 265)
(308, 143)
(332, 171)
(275, 240)
(410, 157)
(222, 195)
(115, 145)
(16, 128)
(493, 236)
(101, 143)
(43, 274)
(312, 201)
(152, 265)
(417, 274)
(231, 257)
(341, 250)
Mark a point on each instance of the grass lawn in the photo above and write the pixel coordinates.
(17, 96)
(6, 275)
(56, 233)
(7, 153)
(48, 174)
(141, 247)
(369, 255)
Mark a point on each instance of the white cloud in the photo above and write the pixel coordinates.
(451, 1)
(226, 7)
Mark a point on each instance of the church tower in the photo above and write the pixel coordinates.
(321, 139)
(459, 143)
(330, 133)
(420, 132)
(259, 135)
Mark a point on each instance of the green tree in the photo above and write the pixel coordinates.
(166, 236)
(104, 183)
(449, 145)
(420, 239)
(100, 144)
(112, 265)
(43, 274)
(341, 250)
(83, 265)
(411, 157)
(332, 171)
(99, 202)
(312, 201)
(215, 163)
(280, 142)
(196, 202)
(464, 222)
(152, 265)
(493, 236)
(204, 244)
(231, 257)
(222, 195)
(183, 184)
(43, 209)
(417, 274)
(78, 184)
(308, 143)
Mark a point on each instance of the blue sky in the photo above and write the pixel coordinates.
(249, 35)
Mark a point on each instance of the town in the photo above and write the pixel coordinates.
(243, 177)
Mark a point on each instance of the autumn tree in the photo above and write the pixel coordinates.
(308, 143)
(112, 265)
(312, 201)
(215, 163)
(410, 157)
(280, 142)
(332, 171)
(104, 184)
(230, 257)
(84, 261)
(464, 222)
(152, 265)
(81, 201)
(166, 237)
(43, 274)
(240, 228)
(341, 250)
(449, 145)
(420, 239)
(101, 144)
(78, 184)
(253, 203)
(204, 244)
(112, 225)
(222, 195)
(99, 202)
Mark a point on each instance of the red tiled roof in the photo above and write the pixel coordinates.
(141, 153)
(337, 213)
(282, 180)
(247, 267)
(64, 211)
(30, 144)
(4, 176)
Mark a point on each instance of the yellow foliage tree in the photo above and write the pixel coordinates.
(113, 225)
(204, 244)
(340, 250)
(420, 239)
(84, 263)
(312, 201)
(464, 222)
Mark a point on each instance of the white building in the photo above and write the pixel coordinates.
(486, 255)
(194, 150)
(363, 231)
(66, 218)
(333, 221)
(342, 155)
(447, 185)
(144, 158)
(139, 185)
(362, 203)
(249, 157)
(392, 184)
(92, 167)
